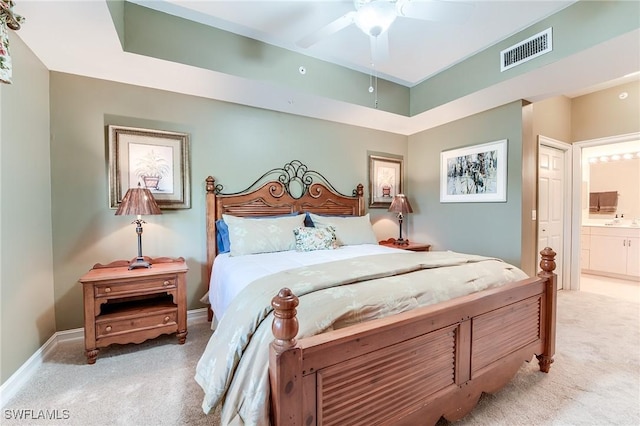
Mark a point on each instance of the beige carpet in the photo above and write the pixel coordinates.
(595, 379)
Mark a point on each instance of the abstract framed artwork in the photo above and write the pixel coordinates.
(385, 180)
(154, 159)
(476, 173)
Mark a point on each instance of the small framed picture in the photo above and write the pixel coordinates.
(153, 159)
(385, 180)
(476, 173)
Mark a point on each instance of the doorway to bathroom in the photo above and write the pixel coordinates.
(605, 166)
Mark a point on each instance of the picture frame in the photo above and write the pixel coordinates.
(155, 159)
(474, 174)
(386, 179)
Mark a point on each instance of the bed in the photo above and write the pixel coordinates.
(402, 362)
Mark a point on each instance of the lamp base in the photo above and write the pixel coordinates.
(139, 263)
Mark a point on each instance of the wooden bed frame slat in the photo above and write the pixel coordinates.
(352, 385)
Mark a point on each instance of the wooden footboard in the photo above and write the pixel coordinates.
(415, 367)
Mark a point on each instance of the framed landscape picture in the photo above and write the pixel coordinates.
(476, 173)
(153, 159)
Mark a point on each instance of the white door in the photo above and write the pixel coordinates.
(551, 204)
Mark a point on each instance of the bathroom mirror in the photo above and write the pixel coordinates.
(622, 176)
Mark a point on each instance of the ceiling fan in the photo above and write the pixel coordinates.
(374, 17)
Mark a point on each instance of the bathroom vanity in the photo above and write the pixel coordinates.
(611, 250)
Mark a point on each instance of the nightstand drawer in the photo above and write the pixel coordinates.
(123, 289)
(106, 327)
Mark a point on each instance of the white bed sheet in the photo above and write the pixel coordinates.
(233, 273)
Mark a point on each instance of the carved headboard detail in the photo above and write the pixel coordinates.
(292, 188)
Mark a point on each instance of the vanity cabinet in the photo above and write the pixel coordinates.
(614, 251)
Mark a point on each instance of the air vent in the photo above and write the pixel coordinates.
(530, 48)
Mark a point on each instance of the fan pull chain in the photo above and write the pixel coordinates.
(373, 85)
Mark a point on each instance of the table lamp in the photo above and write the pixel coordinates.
(400, 205)
(138, 201)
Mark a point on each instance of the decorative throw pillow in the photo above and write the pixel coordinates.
(309, 239)
(349, 230)
(258, 235)
(222, 237)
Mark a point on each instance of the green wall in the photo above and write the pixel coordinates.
(575, 28)
(26, 271)
(492, 229)
(233, 143)
(156, 34)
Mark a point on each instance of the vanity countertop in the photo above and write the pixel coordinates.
(611, 224)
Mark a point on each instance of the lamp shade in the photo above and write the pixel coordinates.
(400, 204)
(138, 201)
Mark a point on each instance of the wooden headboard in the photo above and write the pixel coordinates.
(292, 188)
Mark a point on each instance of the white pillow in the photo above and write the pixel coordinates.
(254, 235)
(350, 230)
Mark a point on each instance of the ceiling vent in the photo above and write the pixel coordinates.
(530, 48)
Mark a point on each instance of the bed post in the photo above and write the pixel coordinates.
(548, 265)
(210, 202)
(359, 192)
(285, 361)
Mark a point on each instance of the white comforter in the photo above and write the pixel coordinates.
(234, 366)
(233, 273)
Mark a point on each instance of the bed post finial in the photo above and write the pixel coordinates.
(548, 261)
(285, 322)
(210, 185)
(548, 265)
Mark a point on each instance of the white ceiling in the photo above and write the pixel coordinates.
(78, 37)
(417, 48)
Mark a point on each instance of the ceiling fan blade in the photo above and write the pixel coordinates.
(329, 29)
(436, 10)
(380, 48)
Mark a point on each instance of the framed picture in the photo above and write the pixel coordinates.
(154, 159)
(474, 174)
(385, 180)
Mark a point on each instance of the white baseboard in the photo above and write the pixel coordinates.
(13, 384)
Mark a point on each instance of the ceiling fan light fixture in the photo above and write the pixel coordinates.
(375, 17)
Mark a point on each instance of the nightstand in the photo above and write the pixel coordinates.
(411, 246)
(131, 306)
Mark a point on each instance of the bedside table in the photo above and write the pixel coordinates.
(131, 306)
(411, 246)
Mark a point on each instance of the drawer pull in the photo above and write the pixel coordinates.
(166, 283)
(107, 328)
(107, 289)
(166, 319)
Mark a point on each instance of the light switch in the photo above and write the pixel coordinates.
(533, 215)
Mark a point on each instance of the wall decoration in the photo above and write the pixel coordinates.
(8, 20)
(385, 180)
(474, 174)
(153, 159)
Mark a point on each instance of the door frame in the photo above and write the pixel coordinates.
(576, 216)
(567, 253)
